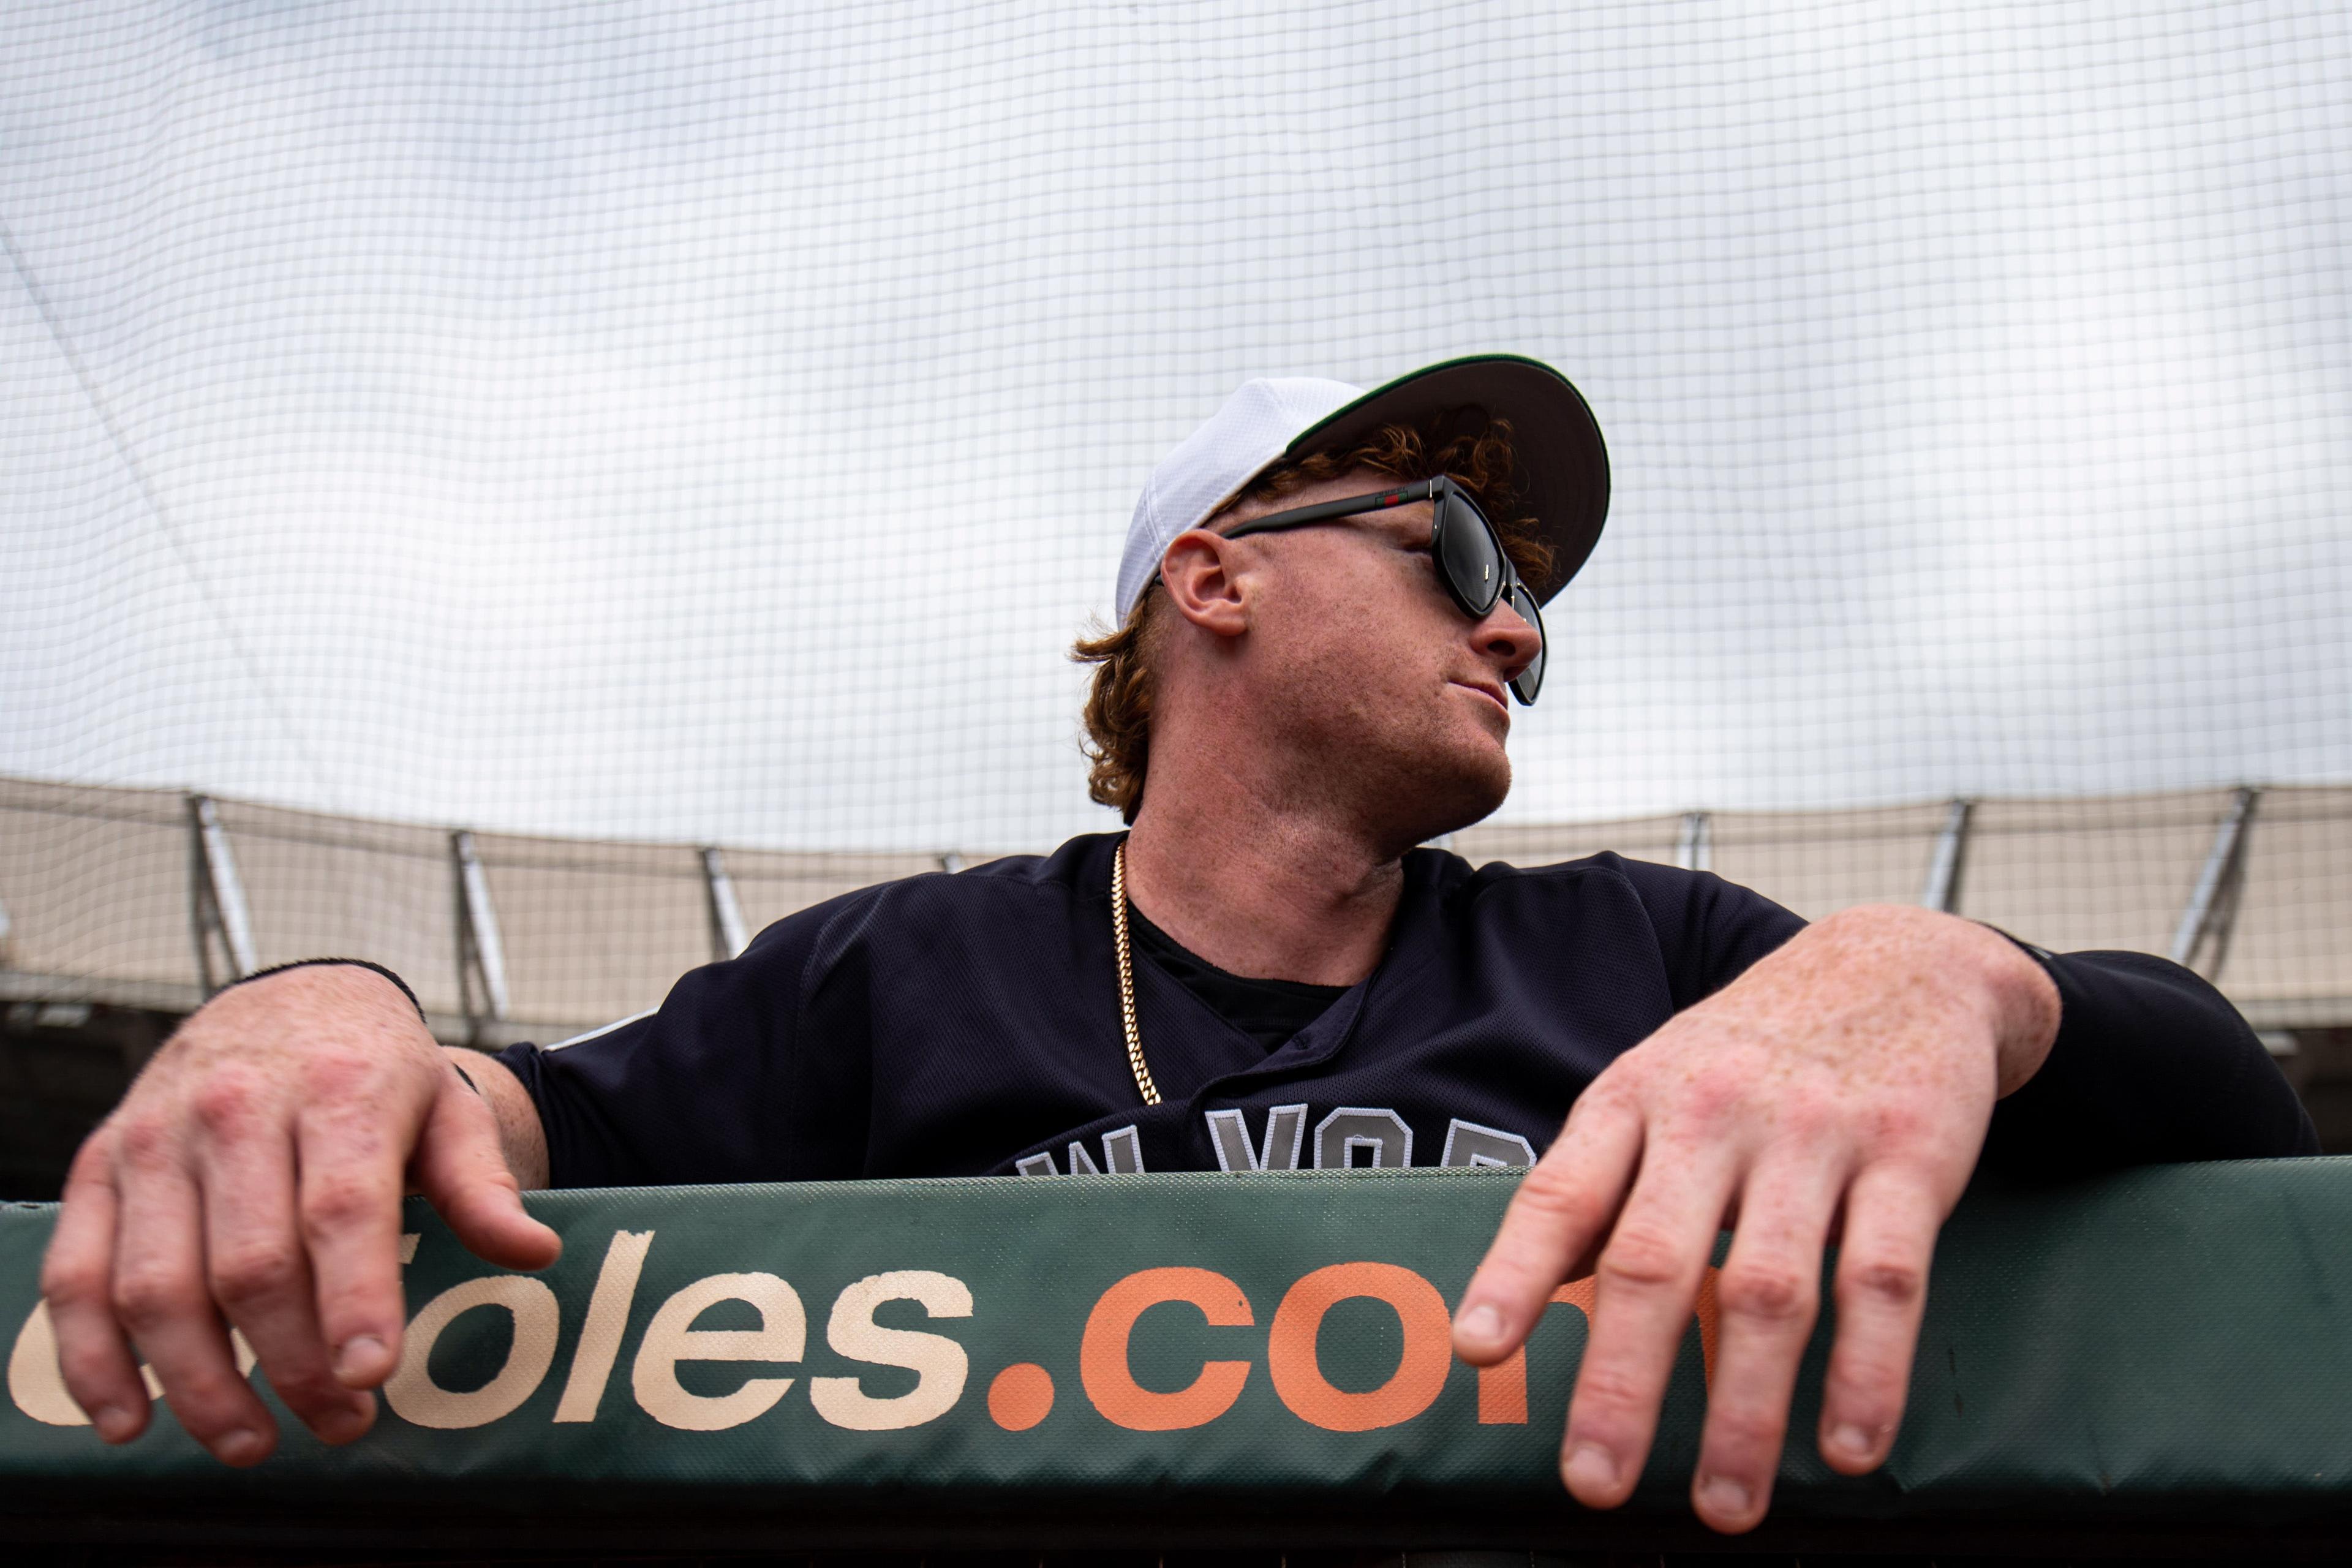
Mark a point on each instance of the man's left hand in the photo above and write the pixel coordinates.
(1840, 1089)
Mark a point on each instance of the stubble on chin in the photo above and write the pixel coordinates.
(1477, 788)
(1409, 784)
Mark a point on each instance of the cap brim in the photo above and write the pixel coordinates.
(1563, 468)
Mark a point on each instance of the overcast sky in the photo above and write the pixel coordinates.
(714, 422)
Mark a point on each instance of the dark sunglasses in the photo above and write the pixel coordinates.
(1469, 554)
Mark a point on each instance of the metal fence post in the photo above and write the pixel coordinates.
(729, 935)
(216, 906)
(481, 955)
(1695, 849)
(2212, 911)
(1942, 890)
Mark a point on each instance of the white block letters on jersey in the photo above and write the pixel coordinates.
(1122, 1151)
(1354, 1137)
(1285, 1133)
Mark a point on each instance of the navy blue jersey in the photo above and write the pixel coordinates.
(969, 1024)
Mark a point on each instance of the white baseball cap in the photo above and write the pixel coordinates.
(1562, 477)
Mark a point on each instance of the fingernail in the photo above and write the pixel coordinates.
(242, 1446)
(1723, 1495)
(363, 1355)
(1590, 1467)
(114, 1423)
(1481, 1322)
(1853, 1440)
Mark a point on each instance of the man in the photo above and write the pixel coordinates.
(1325, 599)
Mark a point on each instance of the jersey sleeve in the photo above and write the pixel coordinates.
(2151, 1065)
(1709, 931)
(705, 1088)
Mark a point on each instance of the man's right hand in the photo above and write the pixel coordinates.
(252, 1177)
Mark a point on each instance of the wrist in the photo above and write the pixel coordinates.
(2027, 1004)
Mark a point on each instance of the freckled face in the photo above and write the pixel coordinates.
(1367, 675)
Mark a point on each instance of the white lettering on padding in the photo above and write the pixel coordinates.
(939, 1360)
(34, 1381)
(783, 1335)
(608, 1315)
(415, 1397)
(38, 1387)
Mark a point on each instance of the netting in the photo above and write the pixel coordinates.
(713, 423)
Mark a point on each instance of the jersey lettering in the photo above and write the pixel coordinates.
(1373, 1129)
(1286, 1138)
(1361, 1137)
(1122, 1155)
(1468, 1145)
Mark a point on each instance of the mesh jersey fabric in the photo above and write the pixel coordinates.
(954, 1025)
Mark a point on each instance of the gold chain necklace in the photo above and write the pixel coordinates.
(1127, 976)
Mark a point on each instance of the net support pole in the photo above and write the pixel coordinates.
(1694, 848)
(481, 954)
(216, 906)
(729, 934)
(2212, 909)
(1942, 891)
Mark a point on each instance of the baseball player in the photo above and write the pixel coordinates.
(1328, 602)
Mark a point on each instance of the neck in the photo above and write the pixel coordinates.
(1256, 884)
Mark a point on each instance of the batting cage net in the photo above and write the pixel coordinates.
(615, 430)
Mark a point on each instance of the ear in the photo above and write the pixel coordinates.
(1205, 580)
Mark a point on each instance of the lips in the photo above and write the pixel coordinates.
(1491, 693)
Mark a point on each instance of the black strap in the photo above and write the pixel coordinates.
(359, 963)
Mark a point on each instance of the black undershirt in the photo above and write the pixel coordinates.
(1268, 1011)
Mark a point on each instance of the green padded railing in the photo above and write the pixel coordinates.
(1238, 1359)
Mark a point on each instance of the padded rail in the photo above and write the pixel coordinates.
(2164, 1357)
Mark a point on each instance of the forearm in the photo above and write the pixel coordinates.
(522, 1137)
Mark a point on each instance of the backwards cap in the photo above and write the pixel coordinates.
(1563, 468)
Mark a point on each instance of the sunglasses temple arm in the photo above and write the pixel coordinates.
(1423, 489)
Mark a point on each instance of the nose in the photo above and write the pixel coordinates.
(1507, 639)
